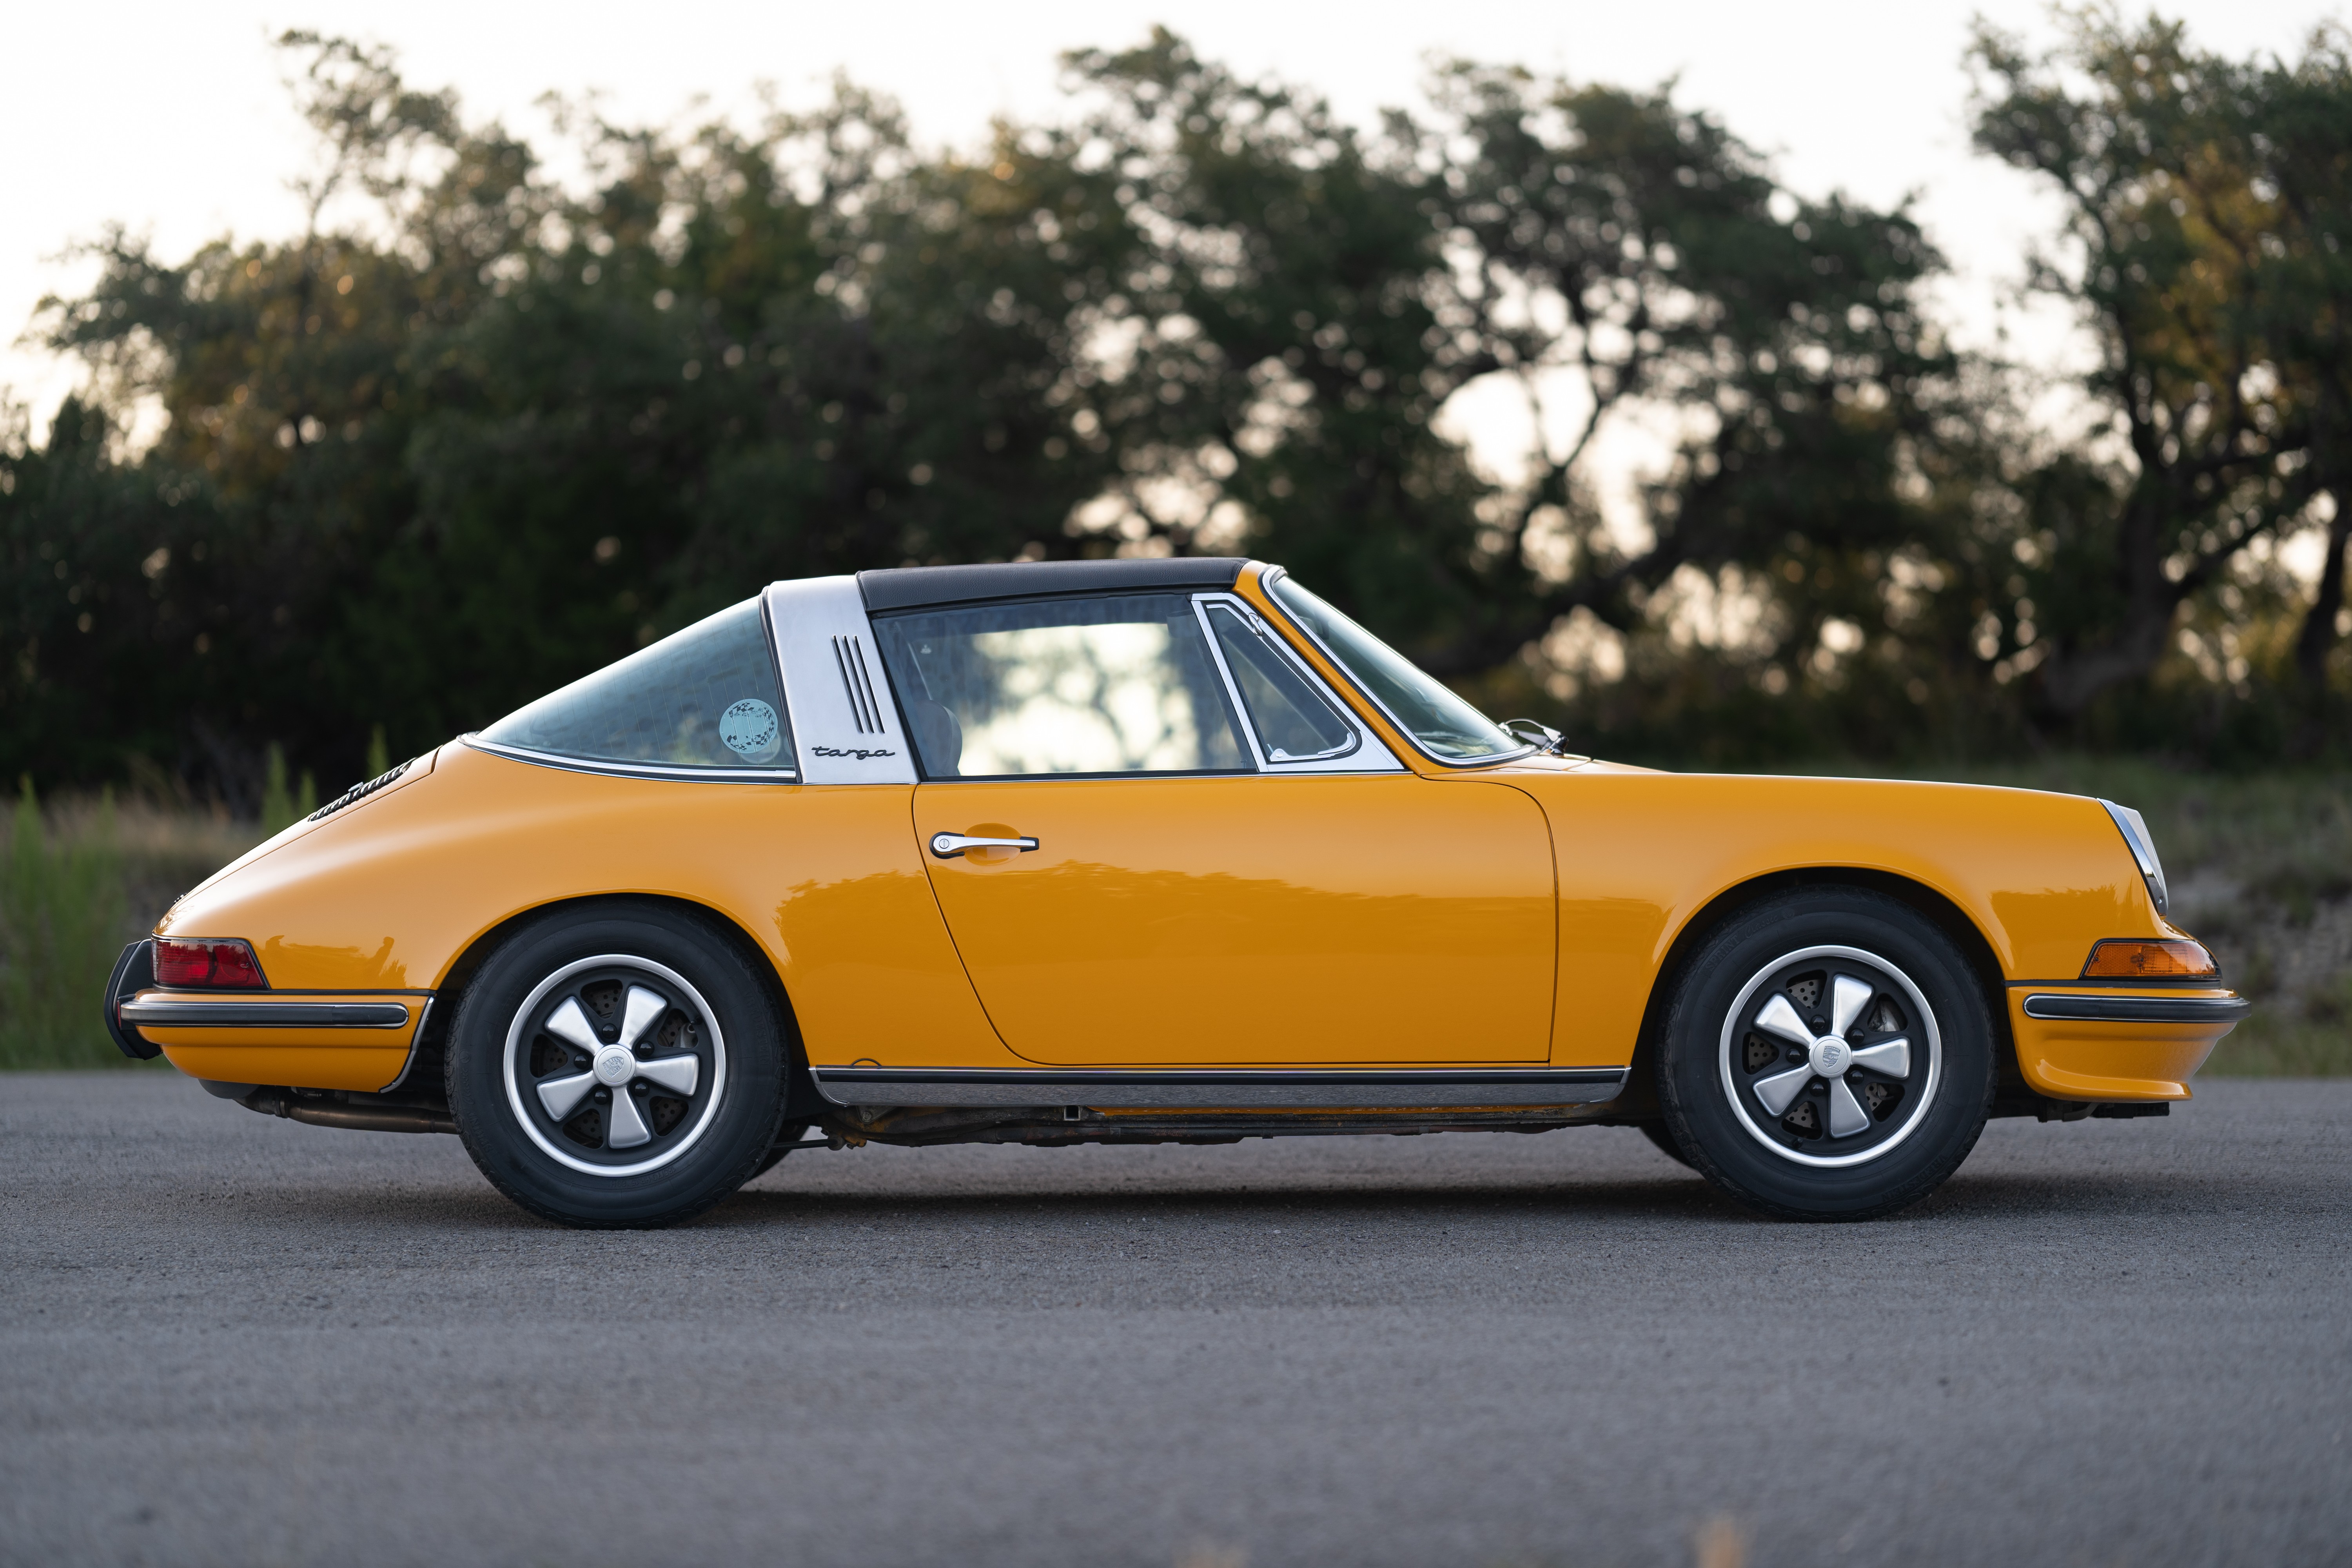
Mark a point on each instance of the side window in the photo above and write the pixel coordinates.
(1112, 685)
(1293, 720)
(703, 697)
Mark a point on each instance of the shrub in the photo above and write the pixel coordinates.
(62, 927)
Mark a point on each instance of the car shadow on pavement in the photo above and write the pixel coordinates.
(1664, 1198)
(1670, 1197)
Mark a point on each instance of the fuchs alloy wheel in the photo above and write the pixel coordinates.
(617, 1065)
(1828, 1056)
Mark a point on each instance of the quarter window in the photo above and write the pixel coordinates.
(1294, 723)
(1446, 727)
(1108, 685)
(703, 697)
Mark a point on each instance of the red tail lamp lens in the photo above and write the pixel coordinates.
(227, 962)
(2180, 960)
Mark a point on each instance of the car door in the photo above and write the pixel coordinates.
(1136, 873)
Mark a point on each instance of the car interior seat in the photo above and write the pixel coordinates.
(938, 737)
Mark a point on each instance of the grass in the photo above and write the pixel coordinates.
(2261, 869)
(76, 882)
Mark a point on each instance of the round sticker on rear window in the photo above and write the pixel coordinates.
(749, 728)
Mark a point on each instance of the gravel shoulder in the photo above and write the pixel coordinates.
(226, 1339)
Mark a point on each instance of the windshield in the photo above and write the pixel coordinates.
(1446, 727)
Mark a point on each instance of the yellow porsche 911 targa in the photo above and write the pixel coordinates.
(1143, 851)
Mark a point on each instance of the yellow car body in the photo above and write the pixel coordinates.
(1525, 916)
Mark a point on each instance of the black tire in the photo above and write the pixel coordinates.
(1884, 1102)
(651, 1140)
(1655, 1131)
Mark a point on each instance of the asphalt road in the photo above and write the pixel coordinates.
(231, 1339)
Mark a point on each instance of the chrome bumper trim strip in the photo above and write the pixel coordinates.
(265, 1014)
(2140, 1009)
(1306, 1088)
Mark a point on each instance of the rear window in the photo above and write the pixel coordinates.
(706, 697)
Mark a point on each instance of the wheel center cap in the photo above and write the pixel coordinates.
(1832, 1056)
(615, 1066)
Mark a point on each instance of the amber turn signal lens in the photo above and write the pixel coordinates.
(2177, 960)
(226, 962)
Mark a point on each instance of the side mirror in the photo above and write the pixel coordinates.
(1543, 737)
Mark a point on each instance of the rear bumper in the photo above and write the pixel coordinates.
(133, 972)
(307, 1040)
(2085, 1042)
(155, 1012)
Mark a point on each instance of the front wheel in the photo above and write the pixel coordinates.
(1827, 1055)
(618, 1066)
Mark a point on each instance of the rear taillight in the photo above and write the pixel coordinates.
(226, 962)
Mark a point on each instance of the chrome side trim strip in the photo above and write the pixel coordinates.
(256, 1015)
(1289, 1088)
(2140, 1009)
(629, 770)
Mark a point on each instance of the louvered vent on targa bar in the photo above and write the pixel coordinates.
(859, 683)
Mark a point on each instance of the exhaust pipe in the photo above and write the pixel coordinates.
(381, 1117)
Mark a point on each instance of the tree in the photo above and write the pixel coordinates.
(1314, 297)
(488, 434)
(2190, 269)
(475, 431)
(2295, 120)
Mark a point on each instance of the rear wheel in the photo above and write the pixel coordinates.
(618, 1065)
(1828, 1056)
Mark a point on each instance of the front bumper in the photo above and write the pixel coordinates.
(2108, 1008)
(2086, 1043)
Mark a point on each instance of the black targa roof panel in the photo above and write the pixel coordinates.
(913, 587)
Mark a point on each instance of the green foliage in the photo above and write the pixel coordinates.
(2309, 1035)
(2209, 202)
(477, 432)
(281, 810)
(379, 759)
(61, 920)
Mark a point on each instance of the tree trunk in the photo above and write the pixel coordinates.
(2317, 639)
(2070, 681)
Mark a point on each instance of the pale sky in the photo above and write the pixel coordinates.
(172, 119)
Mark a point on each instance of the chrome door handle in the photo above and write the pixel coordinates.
(948, 846)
